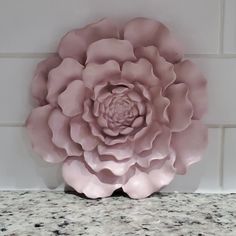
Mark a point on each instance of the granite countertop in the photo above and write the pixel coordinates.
(58, 213)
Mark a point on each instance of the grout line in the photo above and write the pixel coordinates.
(26, 55)
(216, 56)
(221, 125)
(221, 31)
(213, 126)
(221, 167)
(44, 55)
(12, 124)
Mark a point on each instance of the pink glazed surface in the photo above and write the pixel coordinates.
(120, 108)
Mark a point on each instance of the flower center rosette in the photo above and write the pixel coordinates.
(119, 108)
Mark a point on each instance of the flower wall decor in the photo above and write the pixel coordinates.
(119, 109)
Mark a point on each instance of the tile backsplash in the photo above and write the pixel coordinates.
(30, 29)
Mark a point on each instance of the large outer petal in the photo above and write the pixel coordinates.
(147, 181)
(94, 73)
(39, 82)
(160, 105)
(61, 76)
(145, 142)
(146, 32)
(140, 71)
(163, 69)
(110, 49)
(78, 175)
(41, 136)
(72, 99)
(160, 149)
(98, 163)
(75, 43)
(188, 73)
(59, 125)
(81, 134)
(139, 185)
(180, 110)
(111, 141)
(189, 145)
(119, 151)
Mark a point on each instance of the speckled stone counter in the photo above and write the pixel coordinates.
(57, 213)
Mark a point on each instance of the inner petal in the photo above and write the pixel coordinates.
(120, 108)
(120, 112)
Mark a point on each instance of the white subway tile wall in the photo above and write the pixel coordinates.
(20, 168)
(229, 162)
(230, 27)
(15, 95)
(29, 29)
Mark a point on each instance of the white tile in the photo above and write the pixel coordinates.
(229, 165)
(204, 175)
(220, 74)
(230, 27)
(20, 168)
(188, 182)
(36, 26)
(15, 97)
(211, 163)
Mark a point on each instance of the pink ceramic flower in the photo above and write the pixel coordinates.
(120, 109)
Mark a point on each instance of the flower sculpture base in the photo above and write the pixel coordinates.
(120, 110)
